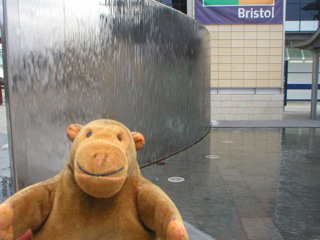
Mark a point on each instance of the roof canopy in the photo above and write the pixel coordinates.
(312, 43)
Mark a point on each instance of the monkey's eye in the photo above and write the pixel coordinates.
(89, 134)
(119, 137)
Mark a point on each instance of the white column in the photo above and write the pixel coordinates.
(314, 91)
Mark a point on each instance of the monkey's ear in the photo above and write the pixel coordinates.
(73, 130)
(138, 139)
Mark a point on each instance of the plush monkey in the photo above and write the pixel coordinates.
(100, 194)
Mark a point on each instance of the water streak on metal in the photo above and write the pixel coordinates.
(67, 61)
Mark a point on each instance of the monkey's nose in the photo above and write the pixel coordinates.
(100, 158)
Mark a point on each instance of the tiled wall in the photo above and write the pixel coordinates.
(246, 56)
(246, 107)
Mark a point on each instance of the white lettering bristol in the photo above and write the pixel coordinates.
(261, 13)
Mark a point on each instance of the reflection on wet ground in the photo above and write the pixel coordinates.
(257, 183)
(5, 188)
(245, 183)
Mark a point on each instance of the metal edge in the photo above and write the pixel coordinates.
(179, 151)
(14, 179)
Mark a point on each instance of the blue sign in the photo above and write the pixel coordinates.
(239, 11)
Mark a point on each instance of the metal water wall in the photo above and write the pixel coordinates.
(73, 61)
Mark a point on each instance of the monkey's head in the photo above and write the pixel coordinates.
(103, 155)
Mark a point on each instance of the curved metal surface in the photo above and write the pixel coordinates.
(67, 61)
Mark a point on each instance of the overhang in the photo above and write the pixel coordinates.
(310, 44)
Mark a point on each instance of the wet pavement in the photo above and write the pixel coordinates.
(255, 183)
(240, 183)
(5, 176)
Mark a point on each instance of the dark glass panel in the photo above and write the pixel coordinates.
(293, 12)
(166, 2)
(180, 5)
(307, 54)
(307, 1)
(309, 15)
(292, 1)
(183, 8)
(295, 53)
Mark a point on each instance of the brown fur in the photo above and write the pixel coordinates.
(75, 205)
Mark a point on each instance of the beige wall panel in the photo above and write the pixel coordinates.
(275, 59)
(214, 83)
(224, 51)
(276, 35)
(224, 28)
(250, 59)
(225, 67)
(250, 75)
(226, 83)
(250, 35)
(250, 27)
(275, 67)
(214, 51)
(276, 27)
(263, 28)
(238, 59)
(226, 35)
(250, 43)
(212, 28)
(237, 83)
(250, 51)
(214, 35)
(237, 51)
(237, 67)
(225, 43)
(263, 67)
(224, 59)
(237, 35)
(237, 75)
(250, 83)
(224, 75)
(263, 43)
(214, 43)
(250, 67)
(275, 83)
(262, 83)
(263, 59)
(237, 28)
(246, 56)
(263, 35)
(276, 43)
(263, 76)
(263, 51)
(214, 67)
(237, 43)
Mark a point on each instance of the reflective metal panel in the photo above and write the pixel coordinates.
(67, 61)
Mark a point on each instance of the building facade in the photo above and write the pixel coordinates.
(249, 80)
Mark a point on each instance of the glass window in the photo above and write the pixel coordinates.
(307, 1)
(293, 12)
(166, 2)
(309, 14)
(294, 54)
(307, 54)
(180, 5)
(293, 1)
